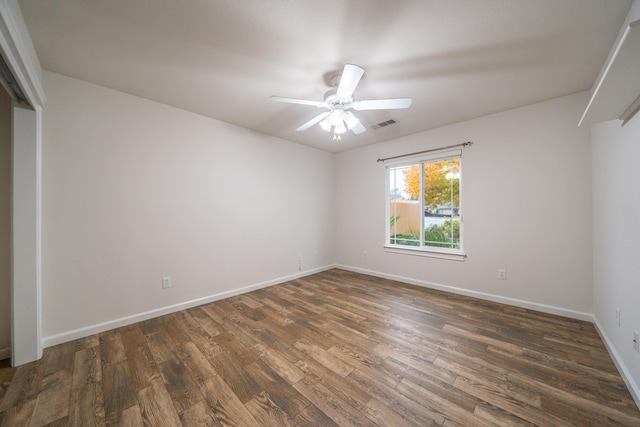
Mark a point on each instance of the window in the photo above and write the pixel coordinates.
(424, 205)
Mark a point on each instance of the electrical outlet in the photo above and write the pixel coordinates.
(502, 274)
(636, 342)
(299, 262)
(365, 254)
(166, 282)
(618, 317)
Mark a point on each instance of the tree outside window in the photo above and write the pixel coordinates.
(424, 202)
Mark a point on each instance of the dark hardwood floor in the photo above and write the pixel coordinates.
(335, 348)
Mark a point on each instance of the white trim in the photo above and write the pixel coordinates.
(615, 72)
(617, 360)
(124, 321)
(425, 251)
(26, 325)
(21, 56)
(572, 314)
(38, 226)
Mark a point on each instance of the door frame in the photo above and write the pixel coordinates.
(26, 141)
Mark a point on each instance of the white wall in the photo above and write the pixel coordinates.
(5, 224)
(134, 190)
(616, 233)
(526, 207)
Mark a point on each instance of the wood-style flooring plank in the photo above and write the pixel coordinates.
(348, 391)
(383, 415)
(325, 358)
(311, 416)
(280, 391)
(331, 404)
(87, 403)
(182, 390)
(415, 412)
(228, 409)
(111, 348)
(267, 413)
(131, 417)
(19, 414)
(53, 400)
(160, 347)
(142, 367)
(238, 379)
(334, 348)
(199, 415)
(196, 363)
(205, 322)
(25, 384)
(280, 364)
(118, 390)
(156, 406)
(235, 349)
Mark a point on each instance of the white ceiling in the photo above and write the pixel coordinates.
(457, 59)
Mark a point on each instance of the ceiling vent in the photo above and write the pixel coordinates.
(384, 124)
(10, 83)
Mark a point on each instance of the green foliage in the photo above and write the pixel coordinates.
(411, 239)
(445, 235)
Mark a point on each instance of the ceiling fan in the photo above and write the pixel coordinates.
(339, 101)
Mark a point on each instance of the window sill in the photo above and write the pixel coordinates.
(441, 254)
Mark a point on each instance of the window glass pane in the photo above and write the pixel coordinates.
(404, 209)
(441, 192)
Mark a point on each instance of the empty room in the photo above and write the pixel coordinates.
(319, 213)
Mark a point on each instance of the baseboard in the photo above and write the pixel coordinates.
(124, 321)
(5, 353)
(572, 314)
(617, 360)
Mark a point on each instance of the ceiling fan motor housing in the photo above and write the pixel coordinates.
(332, 100)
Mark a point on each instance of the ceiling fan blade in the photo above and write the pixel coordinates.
(297, 101)
(350, 78)
(316, 119)
(358, 129)
(383, 104)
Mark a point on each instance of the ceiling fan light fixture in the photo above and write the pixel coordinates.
(339, 129)
(325, 124)
(335, 118)
(350, 120)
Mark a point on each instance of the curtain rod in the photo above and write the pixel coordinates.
(464, 144)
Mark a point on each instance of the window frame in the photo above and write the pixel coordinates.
(428, 251)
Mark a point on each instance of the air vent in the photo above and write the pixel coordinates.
(10, 83)
(384, 124)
